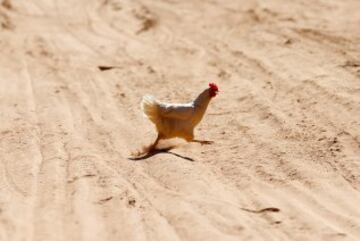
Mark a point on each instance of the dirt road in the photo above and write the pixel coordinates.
(286, 124)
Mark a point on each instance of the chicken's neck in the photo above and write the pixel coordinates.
(201, 103)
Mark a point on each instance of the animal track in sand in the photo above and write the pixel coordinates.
(351, 64)
(271, 209)
(104, 68)
(147, 19)
(7, 4)
(104, 200)
(5, 21)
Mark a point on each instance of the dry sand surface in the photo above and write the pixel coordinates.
(286, 124)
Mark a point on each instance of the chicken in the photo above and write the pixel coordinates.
(177, 120)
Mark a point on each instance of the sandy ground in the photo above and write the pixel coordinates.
(286, 124)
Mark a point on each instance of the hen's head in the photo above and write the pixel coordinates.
(213, 89)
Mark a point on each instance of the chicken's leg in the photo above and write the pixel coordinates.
(148, 149)
(152, 147)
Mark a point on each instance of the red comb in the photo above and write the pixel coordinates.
(213, 86)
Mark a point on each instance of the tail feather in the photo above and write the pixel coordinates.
(149, 106)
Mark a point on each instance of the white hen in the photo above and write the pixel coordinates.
(178, 120)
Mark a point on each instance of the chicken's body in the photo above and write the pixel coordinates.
(177, 120)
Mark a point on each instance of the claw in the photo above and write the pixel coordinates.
(206, 142)
(202, 142)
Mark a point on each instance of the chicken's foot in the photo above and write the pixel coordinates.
(203, 142)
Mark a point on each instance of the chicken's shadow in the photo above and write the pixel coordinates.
(159, 151)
